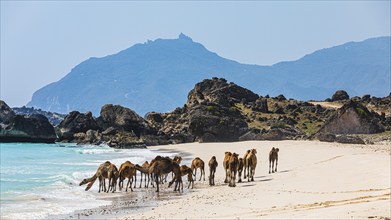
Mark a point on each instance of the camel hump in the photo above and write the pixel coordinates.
(273, 148)
(197, 158)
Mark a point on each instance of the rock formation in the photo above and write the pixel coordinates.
(18, 128)
(340, 95)
(352, 118)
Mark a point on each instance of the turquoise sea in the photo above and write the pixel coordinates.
(38, 180)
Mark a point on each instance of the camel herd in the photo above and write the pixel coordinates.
(157, 170)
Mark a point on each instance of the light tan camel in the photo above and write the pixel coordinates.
(233, 165)
(240, 169)
(273, 157)
(212, 170)
(161, 166)
(198, 163)
(251, 162)
(126, 170)
(245, 164)
(102, 173)
(225, 165)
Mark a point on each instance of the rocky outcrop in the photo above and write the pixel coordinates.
(340, 95)
(345, 139)
(352, 118)
(54, 118)
(260, 105)
(217, 90)
(18, 128)
(74, 125)
(211, 123)
(123, 119)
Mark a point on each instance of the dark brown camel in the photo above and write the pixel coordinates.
(233, 165)
(212, 170)
(240, 169)
(161, 166)
(273, 158)
(198, 163)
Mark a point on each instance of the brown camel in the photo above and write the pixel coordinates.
(251, 162)
(233, 165)
(245, 164)
(240, 169)
(146, 184)
(212, 170)
(161, 166)
(113, 175)
(185, 170)
(177, 159)
(102, 173)
(225, 165)
(198, 163)
(273, 157)
(127, 170)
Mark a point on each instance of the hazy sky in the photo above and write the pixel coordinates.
(42, 41)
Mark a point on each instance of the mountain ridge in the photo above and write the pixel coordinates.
(156, 75)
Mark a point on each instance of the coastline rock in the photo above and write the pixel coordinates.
(123, 119)
(76, 122)
(18, 128)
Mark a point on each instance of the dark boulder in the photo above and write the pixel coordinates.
(216, 123)
(123, 119)
(260, 105)
(340, 95)
(76, 122)
(217, 90)
(19, 128)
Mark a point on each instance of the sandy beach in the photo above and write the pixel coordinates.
(315, 180)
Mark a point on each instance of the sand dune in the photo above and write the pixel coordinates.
(315, 180)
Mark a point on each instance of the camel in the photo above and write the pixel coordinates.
(245, 163)
(113, 175)
(212, 170)
(105, 171)
(161, 166)
(198, 163)
(185, 170)
(240, 169)
(233, 165)
(127, 170)
(177, 159)
(145, 166)
(273, 157)
(251, 163)
(225, 164)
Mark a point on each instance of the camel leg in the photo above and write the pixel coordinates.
(252, 174)
(244, 172)
(141, 179)
(240, 176)
(234, 180)
(270, 165)
(100, 184)
(203, 172)
(276, 165)
(226, 176)
(195, 173)
(157, 182)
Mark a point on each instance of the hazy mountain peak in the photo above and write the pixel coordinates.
(182, 36)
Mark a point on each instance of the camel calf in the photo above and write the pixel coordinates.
(198, 163)
(273, 158)
(185, 170)
(212, 170)
(127, 170)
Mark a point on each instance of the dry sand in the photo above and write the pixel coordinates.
(315, 180)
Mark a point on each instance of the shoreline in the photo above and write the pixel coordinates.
(315, 180)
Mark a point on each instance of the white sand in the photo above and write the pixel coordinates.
(315, 180)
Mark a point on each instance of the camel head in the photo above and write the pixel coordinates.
(214, 158)
(235, 155)
(254, 151)
(277, 150)
(228, 153)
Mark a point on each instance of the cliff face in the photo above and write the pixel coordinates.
(352, 118)
(17, 128)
